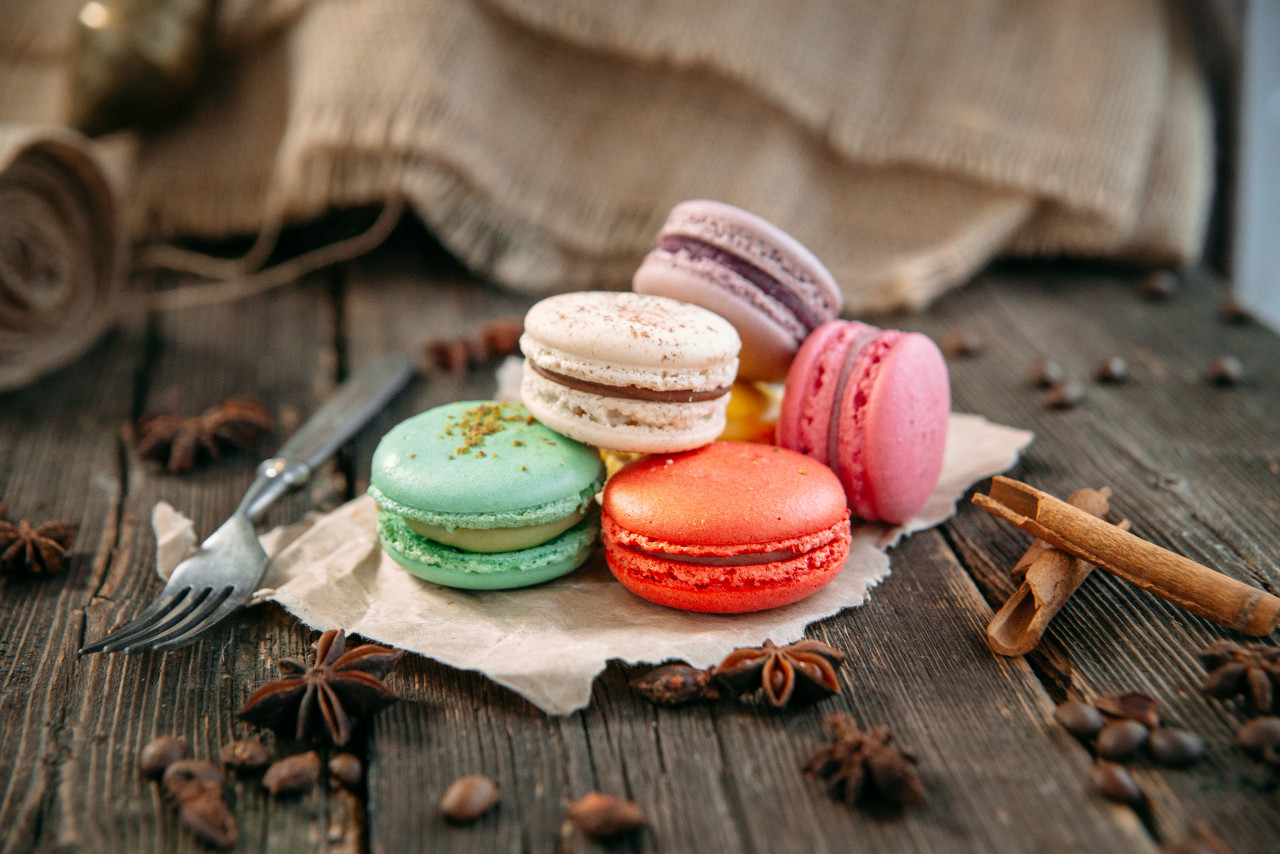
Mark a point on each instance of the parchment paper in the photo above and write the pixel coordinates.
(547, 643)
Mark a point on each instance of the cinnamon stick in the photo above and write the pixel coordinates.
(1049, 577)
(1199, 589)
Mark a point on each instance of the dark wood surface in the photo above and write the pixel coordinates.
(1196, 469)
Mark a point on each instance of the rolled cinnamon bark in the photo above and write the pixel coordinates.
(1199, 589)
(1049, 576)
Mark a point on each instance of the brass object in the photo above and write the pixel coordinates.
(137, 62)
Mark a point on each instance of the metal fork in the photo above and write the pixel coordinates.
(209, 586)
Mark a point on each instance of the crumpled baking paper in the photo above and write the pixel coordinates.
(549, 642)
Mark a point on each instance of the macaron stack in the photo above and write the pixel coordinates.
(485, 495)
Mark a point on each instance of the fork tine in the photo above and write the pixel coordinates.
(178, 615)
(157, 610)
(175, 614)
(194, 618)
(227, 607)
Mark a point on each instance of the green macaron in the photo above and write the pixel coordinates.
(479, 495)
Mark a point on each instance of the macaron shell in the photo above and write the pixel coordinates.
(522, 473)
(768, 341)
(450, 567)
(764, 244)
(725, 494)
(749, 588)
(904, 429)
(599, 335)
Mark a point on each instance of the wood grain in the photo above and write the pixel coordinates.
(1196, 469)
(1192, 466)
(99, 710)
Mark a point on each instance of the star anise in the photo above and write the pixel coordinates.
(499, 337)
(857, 765)
(783, 674)
(1251, 671)
(323, 701)
(38, 550)
(180, 441)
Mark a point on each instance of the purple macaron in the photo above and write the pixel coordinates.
(756, 276)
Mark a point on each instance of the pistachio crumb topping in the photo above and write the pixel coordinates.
(472, 426)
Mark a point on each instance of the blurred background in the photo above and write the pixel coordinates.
(542, 142)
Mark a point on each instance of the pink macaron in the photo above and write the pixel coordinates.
(756, 276)
(873, 405)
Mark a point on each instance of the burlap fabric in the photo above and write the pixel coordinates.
(61, 251)
(543, 141)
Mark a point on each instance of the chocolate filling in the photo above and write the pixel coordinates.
(630, 392)
(772, 287)
(727, 560)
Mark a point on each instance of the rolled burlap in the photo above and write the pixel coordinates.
(61, 251)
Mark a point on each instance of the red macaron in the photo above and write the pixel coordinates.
(728, 528)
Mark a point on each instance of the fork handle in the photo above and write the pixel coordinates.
(352, 407)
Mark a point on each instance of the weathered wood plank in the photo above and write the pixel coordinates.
(1000, 776)
(280, 348)
(59, 459)
(1195, 469)
(726, 778)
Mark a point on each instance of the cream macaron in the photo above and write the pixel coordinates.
(628, 371)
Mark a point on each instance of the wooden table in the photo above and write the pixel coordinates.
(1196, 468)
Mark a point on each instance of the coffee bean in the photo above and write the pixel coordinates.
(1230, 311)
(208, 817)
(1080, 719)
(1175, 747)
(1112, 370)
(347, 769)
(159, 753)
(468, 798)
(603, 816)
(962, 343)
(1224, 370)
(1045, 373)
(1158, 285)
(189, 778)
(1064, 395)
(1115, 783)
(1260, 737)
(245, 755)
(1121, 740)
(1133, 705)
(293, 774)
